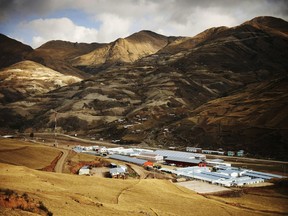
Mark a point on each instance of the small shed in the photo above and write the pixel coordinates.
(117, 172)
(148, 164)
(85, 170)
(240, 153)
(230, 153)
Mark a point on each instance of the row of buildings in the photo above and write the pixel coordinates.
(224, 175)
(168, 156)
(221, 174)
(239, 153)
(115, 171)
(190, 165)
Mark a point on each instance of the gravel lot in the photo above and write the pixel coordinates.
(202, 187)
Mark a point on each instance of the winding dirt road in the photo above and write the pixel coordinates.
(60, 163)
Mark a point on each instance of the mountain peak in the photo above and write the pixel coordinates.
(269, 23)
(12, 51)
(146, 35)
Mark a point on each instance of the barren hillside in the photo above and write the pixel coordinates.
(123, 50)
(64, 194)
(27, 78)
(12, 51)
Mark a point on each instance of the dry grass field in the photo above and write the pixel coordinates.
(65, 194)
(32, 155)
(266, 200)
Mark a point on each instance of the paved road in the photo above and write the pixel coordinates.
(60, 163)
(79, 139)
(244, 159)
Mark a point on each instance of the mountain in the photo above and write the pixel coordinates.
(123, 50)
(12, 51)
(27, 78)
(58, 55)
(224, 88)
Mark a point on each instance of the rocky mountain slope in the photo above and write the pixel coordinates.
(27, 78)
(12, 51)
(224, 88)
(123, 50)
(58, 55)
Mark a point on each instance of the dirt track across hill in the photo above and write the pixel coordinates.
(60, 163)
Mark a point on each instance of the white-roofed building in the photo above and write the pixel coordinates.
(85, 170)
(118, 172)
(180, 154)
(150, 156)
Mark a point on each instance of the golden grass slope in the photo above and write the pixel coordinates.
(31, 155)
(65, 194)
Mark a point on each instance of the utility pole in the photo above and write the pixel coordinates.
(55, 127)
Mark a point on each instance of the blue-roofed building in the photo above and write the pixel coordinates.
(266, 176)
(179, 154)
(128, 159)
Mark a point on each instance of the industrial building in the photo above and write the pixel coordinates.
(127, 151)
(179, 154)
(184, 162)
(118, 172)
(194, 149)
(213, 152)
(217, 162)
(150, 156)
(128, 159)
(224, 176)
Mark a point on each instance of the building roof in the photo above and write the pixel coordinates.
(128, 159)
(216, 175)
(178, 154)
(265, 174)
(184, 160)
(216, 160)
(257, 175)
(116, 171)
(249, 181)
(84, 167)
(229, 171)
(149, 154)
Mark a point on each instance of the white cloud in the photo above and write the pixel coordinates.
(59, 29)
(201, 20)
(113, 27)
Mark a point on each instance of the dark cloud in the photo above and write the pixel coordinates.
(114, 18)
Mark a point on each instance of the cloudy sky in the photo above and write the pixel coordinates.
(35, 22)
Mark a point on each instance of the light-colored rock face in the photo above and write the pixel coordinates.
(30, 78)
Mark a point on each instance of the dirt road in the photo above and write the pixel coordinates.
(61, 136)
(60, 163)
(140, 171)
